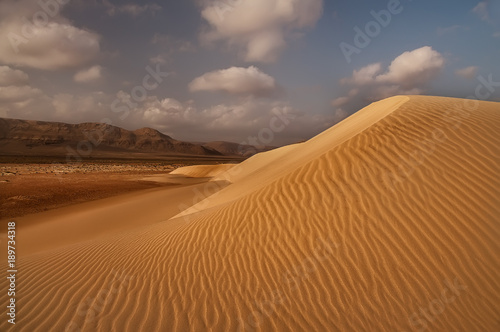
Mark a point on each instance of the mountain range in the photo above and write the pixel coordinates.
(28, 137)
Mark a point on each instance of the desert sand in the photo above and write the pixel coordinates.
(388, 221)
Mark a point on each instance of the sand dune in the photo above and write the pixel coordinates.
(203, 171)
(388, 221)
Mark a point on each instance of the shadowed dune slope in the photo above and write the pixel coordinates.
(391, 227)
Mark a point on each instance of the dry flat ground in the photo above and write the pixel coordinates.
(388, 221)
(31, 188)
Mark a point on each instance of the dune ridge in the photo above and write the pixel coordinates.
(202, 171)
(393, 228)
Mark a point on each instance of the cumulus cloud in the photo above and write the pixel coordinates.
(413, 68)
(9, 94)
(92, 106)
(236, 80)
(33, 36)
(408, 70)
(12, 77)
(233, 122)
(14, 86)
(16, 93)
(488, 11)
(88, 75)
(364, 75)
(340, 101)
(468, 72)
(408, 74)
(259, 28)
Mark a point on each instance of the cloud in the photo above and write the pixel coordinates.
(169, 46)
(9, 94)
(364, 75)
(481, 10)
(172, 43)
(131, 9)
(17, 95)
(413, 68)
(160, 59)
(232, 122)
(32, 36)
(183, 120)
(259, 28)
(468, 72)
(496, 34)
(408, 74)
(14, 86)
(92, 106)
(236, 80)
(451, 29)
(410, 69)
(12, 77)
(88, 75)
(344, 100)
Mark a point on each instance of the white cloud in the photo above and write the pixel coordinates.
(236, 80)
(78, 108)
(340, 101)
(410, 69)
(413, 68)
(345, 99)
(468, 72)
(44, 40)
(481, 10)
(88, 75)
(17, 97)
(260, 28)
(9, 94)
(232, 122)
(364, 75)
(12, 77)
(408, 74)
(386, 91)
(14, 86)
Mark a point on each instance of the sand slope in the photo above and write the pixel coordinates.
(202, 171)
(391, 225)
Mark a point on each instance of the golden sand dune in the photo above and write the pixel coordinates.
(389, 222)
(202, 171)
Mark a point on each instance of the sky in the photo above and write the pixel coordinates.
(267, 72)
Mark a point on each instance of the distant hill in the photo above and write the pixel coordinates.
(25, 137)
(235, 149)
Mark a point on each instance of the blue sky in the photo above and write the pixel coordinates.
(228, 67)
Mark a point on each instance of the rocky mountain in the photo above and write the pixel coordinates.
(235, 149)
(19, 137)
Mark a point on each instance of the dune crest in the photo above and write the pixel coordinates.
(386, 222)
(202, 171)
